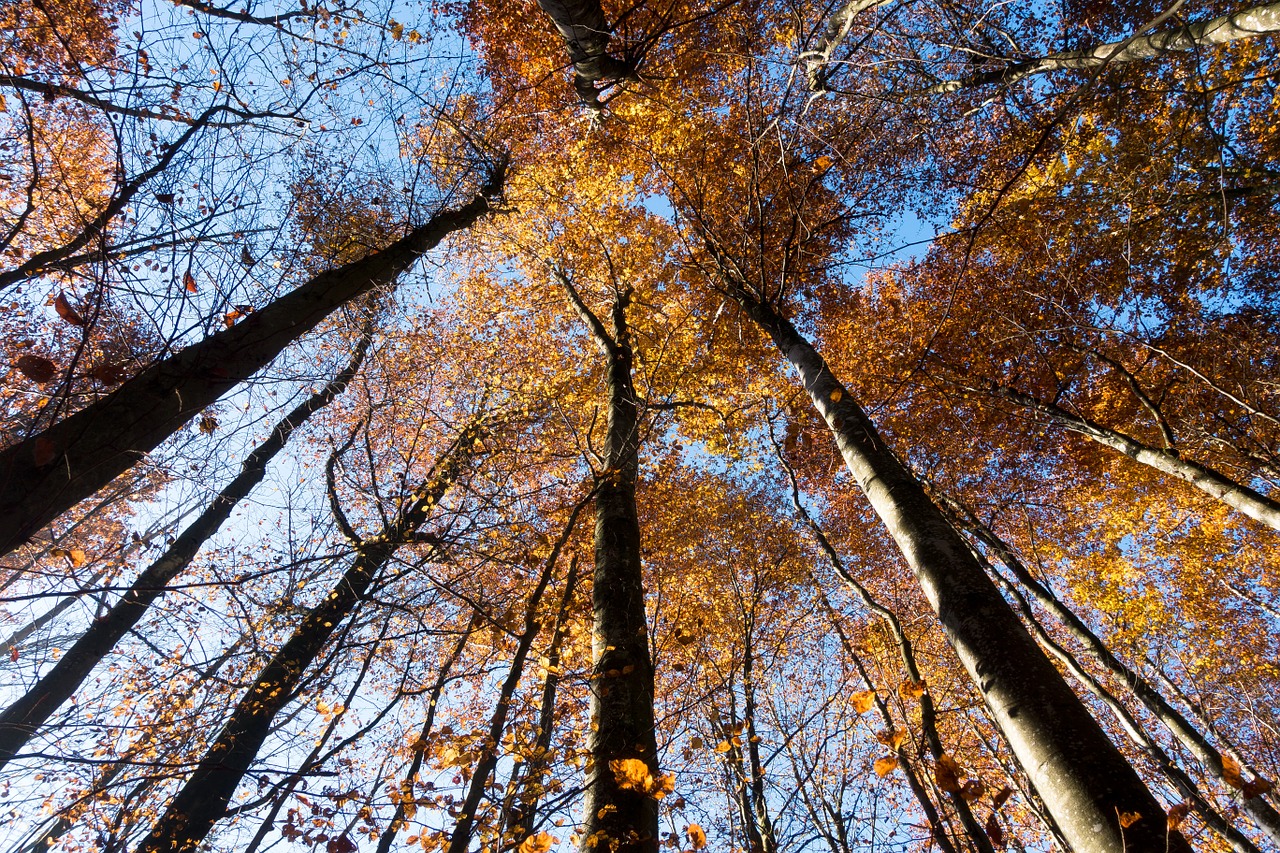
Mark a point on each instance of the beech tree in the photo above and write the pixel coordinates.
(915, 364)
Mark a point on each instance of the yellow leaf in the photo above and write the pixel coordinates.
(836, 395)
(885, 766)
(78, 557)
(863, 701)
(697, 838)
(892, 738)
(724, 746)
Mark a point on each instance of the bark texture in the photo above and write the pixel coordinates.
(1246, 23)
(23, 718)
(619, 818)
(48, 473)
(582, 25)
(203, 799)
(1083, 779)
(1240, 497)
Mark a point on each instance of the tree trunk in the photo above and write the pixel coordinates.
(1262, 813)
(23, 718)
(1086, 783)
(582, 25)
(1235, 495)
(46, 474)
(203, 799)
(619, 819)
(461, 838)
(1246, 23)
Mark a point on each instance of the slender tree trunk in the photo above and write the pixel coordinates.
(522, 819)
(1209, 757)
(203, 799)
(619, 819)
(817, 57)
(1217, 485)
(1246, 23)
(23, 718)
(18, 637)
(904, 764)
(1086, 783)
(46, 474)
(420, 746)
(461, 838)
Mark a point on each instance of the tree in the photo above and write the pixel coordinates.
(999, 571)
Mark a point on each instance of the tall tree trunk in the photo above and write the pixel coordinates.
(582, 25)
(46, 474)
(1191, 738)
(1088, 786)
(23, 718)
(461, 838)
(1213, 483)
(620, 818)
(203, 799)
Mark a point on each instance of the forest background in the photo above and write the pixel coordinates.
(747, 426)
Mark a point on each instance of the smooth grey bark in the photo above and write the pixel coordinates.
(906, 651)
(582, 25)
(618, 819)
(460, 839)
(817, 58)
(46, 474)
(1246, 23)
(203, 798)
(23, 718)
(1254, 504)
(1083, 779)
(1263, 814)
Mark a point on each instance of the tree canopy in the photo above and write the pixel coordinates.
(744, 426)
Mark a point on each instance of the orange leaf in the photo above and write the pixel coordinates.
(1128, 819)
(885, 766)
(1257, 787)
(66, 312)
(911, 689)
(1232, 773)
(189, 282)
(892, 738)
(863, 701)
(78, 557)
(697, 838)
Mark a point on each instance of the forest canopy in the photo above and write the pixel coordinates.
(737, 426)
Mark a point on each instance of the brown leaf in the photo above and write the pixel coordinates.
(972, 790)
(994, 831)
(66, 312)
(108, 372)
(208, 424)
(948, 774)
(1257, 787)
(165, 198)
(1001, 797)
(36, 368)
(892, 738)
(1177, 814)
(13, 654)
